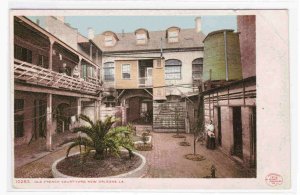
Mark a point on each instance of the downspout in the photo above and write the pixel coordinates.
(225, 53)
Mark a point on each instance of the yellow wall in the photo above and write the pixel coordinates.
(159, 80)
(131, 83)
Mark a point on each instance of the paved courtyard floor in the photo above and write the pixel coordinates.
(165, 160)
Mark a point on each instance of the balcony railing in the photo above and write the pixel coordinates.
(145, 81)
(34, 74)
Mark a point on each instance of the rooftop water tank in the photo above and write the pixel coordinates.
(222, 58)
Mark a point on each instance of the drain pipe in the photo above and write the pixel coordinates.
(225, 53)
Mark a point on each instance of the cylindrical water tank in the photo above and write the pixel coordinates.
(222, 58)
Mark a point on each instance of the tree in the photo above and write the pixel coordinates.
(101, 137)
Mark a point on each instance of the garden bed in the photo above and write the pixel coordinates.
(111, 166)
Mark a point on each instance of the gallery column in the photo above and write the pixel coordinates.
(49, 123)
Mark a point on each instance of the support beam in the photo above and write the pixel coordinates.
(51, 53)
(96, 110)
(78, 106)
(49, 123)
(148, 92)
(79, 67)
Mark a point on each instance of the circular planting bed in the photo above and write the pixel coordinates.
(111, 166)
(194, 157)
(178, 136)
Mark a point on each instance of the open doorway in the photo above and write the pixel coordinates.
(237, 132)
(219, 138)
(253, 138)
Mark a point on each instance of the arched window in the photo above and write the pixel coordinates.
(109, 71)
(173, 69)
(197, 68)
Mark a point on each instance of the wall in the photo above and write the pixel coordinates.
(28, 114)
(220, 98)
(88, 108)
(62, 31)
(126, 83)
(185, 57)
(247, 28)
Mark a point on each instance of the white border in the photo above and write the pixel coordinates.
(54, 4)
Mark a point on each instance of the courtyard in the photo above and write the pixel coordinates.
(165, 160)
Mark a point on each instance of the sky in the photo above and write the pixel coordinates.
(151, 23)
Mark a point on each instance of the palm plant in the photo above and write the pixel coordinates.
(102, 137)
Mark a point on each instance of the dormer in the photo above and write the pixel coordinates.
(142, 36)
(172, 34)
(110, 38)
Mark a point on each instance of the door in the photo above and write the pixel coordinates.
(253, 137)
(149, 76)
(219, 139)
(237, 132)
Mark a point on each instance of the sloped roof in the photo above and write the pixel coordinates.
(188, 38)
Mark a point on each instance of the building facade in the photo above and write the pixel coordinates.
(56, 78)
(146, 74)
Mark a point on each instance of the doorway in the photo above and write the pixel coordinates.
(237, 132)
(253, 138)
(149, 76)
(40, 113)
(219, 139)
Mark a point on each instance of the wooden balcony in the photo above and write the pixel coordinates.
(145, 82)
(37, 75)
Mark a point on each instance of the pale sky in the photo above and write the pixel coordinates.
(152, 23)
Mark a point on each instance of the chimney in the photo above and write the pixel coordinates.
(198, 24)
(38, 21)
(61, 18)
(91, 33)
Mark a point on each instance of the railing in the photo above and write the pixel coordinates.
(145, 81)
(34, 74)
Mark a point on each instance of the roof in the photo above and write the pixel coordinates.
(188, 38)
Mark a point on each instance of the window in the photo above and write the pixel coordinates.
(173, 69)
(23, 54)
(173, 36)
(109, 71)
(84, 71)
(126, 71)
(19, 125)
(140, 38)
(108, 41)
(197, 68)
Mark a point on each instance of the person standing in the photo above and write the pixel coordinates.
(210, 131)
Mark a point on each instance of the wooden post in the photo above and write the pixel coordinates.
(79, 67)
(49, 123)
(51, 53)
(96, 110)
(78, 107)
